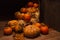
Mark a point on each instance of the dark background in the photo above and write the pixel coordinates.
(50, 11)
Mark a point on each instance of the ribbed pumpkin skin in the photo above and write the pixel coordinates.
(31, 31)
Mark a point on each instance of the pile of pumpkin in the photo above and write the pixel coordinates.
(27, 22)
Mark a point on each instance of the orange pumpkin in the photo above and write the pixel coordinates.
(37, 24)
(23, 10)
(12, 23)
(34, 9)
(18, 28)
(35, 5)
(31, 9)
(7, 30)
(27, 17)
(21, 16)
(31, 31)
(17, 15)
(30, 4)
(44, 29)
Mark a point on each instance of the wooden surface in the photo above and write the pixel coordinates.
(53, 34)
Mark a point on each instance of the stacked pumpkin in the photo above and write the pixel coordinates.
(27, 22)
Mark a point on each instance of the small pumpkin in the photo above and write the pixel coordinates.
(37, 24)
(22, 16)
(31, 9)
(30, 4)
(22, 23)
(31, 31)
(23, 10)
(33, 20)
(7, 30)
(34, 9)
(35, 5)
(12, 23)
(17, 15)
(27, 17)
(18, 29)
(44, 29)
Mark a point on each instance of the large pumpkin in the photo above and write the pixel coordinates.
(27, 17)
(7, 30)
(13, 23)
(30, 4)
(44, 29)
(23, 10)
(31, 31)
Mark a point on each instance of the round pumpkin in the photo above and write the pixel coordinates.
(37, 24)
(44, 28)
(30, 4)
(35, 5)
(7, 30)
(31, 9)
(13, 23)
(27, 17)
(33, 20)
(18, 29)
(31, 31)
(17, 14)
(22, 16)
(34, 9)
(22, 23)
(23, 10)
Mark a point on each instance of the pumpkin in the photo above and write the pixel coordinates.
(31, 31)
(33, 20)
(30, 4)
(17, 14)
(27, 17)
(22, 23)
(12, 23)
(44, 28)
(37, 24)
(34, 9)
(18, 29)
(35, 5)
(31, 9)
(7, 30)
(22, 16)
(23, 10)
